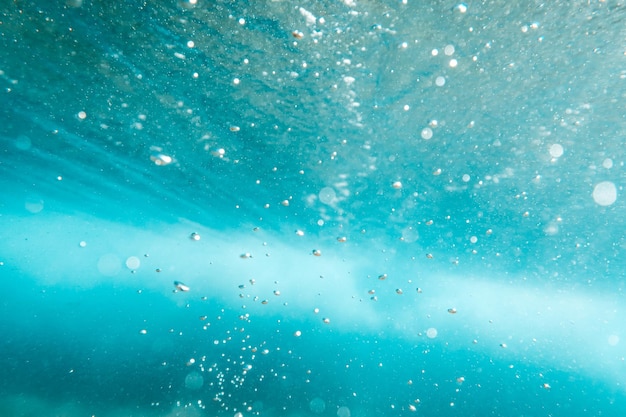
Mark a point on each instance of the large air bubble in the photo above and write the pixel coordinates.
(605, 193)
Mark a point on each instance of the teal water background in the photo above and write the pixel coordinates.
(458, 167)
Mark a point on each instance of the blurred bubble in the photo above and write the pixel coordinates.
(327, 195)
(109, 265)
(23, 143)
(317, 405)
(343, 412)
(33, 205)
(194, 381)
(133, 262)
(431, 333)
(409, 234)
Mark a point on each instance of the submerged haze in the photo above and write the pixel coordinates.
(317, 208)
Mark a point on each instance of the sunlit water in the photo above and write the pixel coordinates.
(346, 208)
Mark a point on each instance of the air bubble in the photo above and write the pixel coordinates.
(133, 263)
(460, 8)
(556, 150)
(427, 133)
(605, 193)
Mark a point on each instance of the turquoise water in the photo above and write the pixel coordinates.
(347, 208)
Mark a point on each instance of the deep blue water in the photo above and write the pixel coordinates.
(346, 208)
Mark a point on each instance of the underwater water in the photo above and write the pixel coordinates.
(322, 208)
